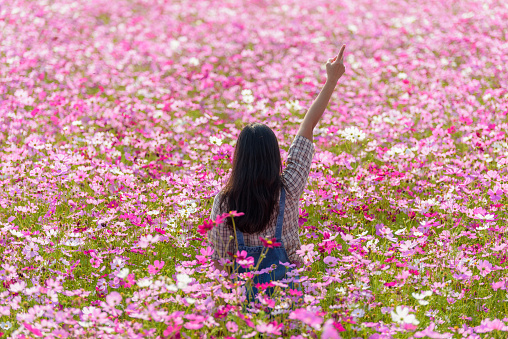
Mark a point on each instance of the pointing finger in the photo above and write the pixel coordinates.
(341, 53)
(340, 57)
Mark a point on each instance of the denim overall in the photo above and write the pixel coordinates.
(273, 256)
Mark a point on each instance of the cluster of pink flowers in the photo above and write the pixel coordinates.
(118, 124)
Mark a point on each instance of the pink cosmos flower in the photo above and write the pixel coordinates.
(270, 328)
(232, 326)
(172, 331)
(265, 300)
(243, 260)
(236, 214)
(295, 292)
(339, 327)
(96, 262)
(492, 175)
(58, 333)
(495, 195)
(160, 230)
(302, 218)
(498, 247)
(331, 261)
(264, 286)
(498, 285)
(270, 243)
(307, 317)
(220, 218)
(488, 325)
(222, 311)
(403, 275)
(129, 280)
(195, 323)
(246, 318)
(304, 249)
(327, 246)
(80, 176)
(33, 330)
(205, 254)
(113, 204)
(485, 267)
(224, 261)
(113, 299)
(205, 227)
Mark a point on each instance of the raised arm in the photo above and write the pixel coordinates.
(334, 70)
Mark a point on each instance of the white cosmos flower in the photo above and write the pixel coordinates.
(409, 152)
(400, 231)
(124, 272)
(247, 96)
(145, 282)
(89, 309)
(16, 233)
(340, 290)
(352, 134)
(233, 104)
(145, 241)
(421, 296)
(17, 287)
(358, 313)
(402, 316)
(6, 325)
(489, 217)
(52, 233)
(295, 104)
(182, 280)
(215, 141)
(171, 288)
(194, 61)
(116, 263)
(171, 222)
(74, 242)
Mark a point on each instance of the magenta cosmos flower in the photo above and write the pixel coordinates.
(270, 243)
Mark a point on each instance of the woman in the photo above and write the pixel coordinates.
(267, 196)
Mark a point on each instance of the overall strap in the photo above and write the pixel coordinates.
(280, 217)
(239, 237)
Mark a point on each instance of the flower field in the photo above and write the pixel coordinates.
(118, 122)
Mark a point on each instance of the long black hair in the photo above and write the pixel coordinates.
(255, 180)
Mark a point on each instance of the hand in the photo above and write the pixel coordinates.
(335, 67)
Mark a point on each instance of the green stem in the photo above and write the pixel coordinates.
(234, 229)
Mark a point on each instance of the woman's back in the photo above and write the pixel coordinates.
(294, 179)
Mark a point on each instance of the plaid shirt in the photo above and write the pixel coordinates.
(294, 178)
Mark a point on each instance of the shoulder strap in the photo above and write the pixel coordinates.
(239, 237)
(280, 217)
